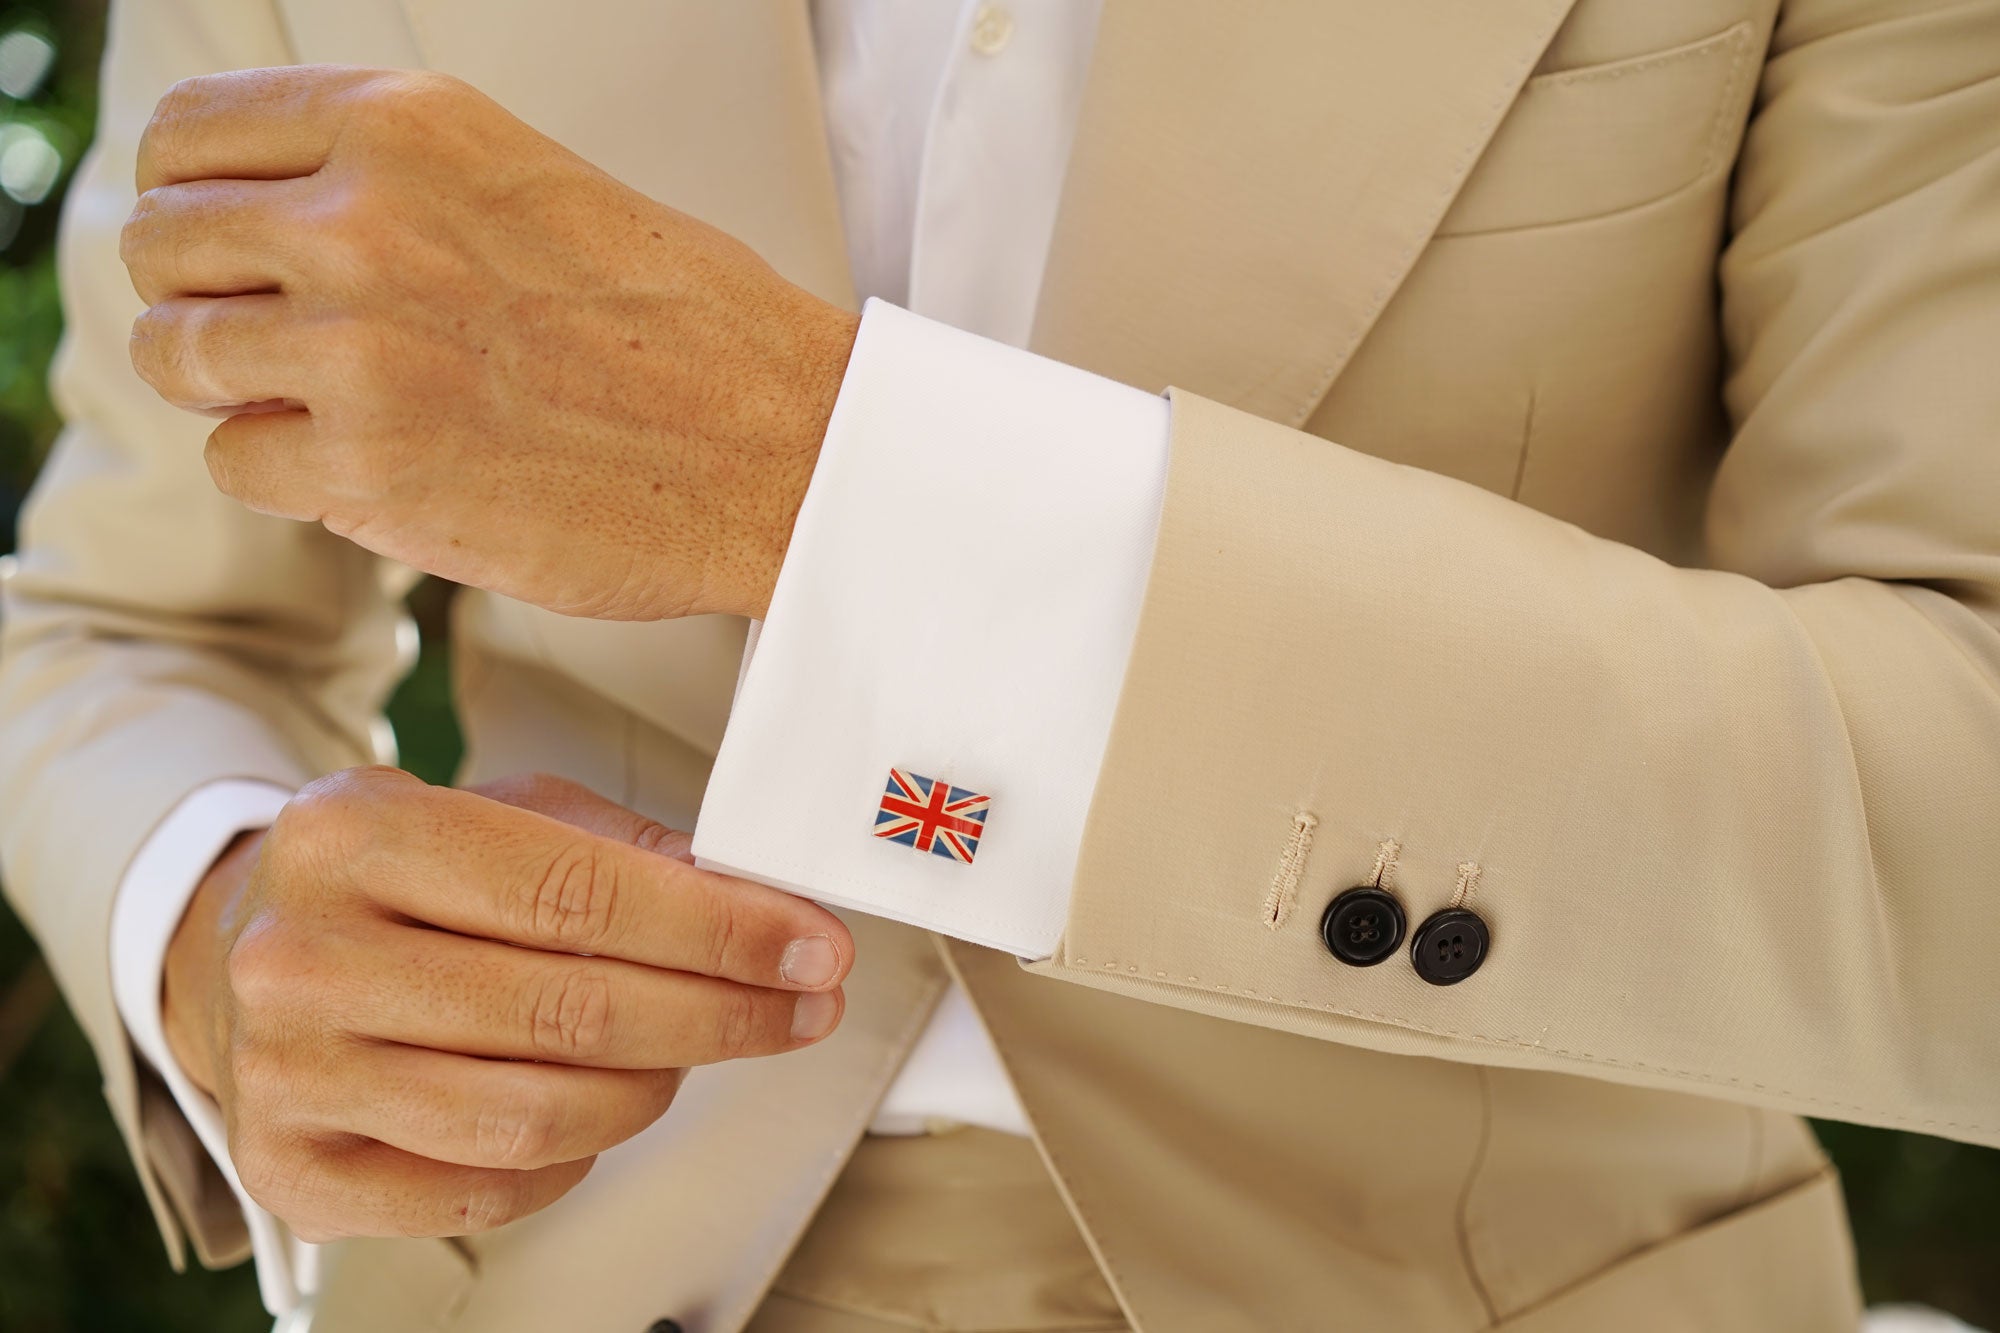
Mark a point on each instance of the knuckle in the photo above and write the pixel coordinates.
(131, 241)
(658, 838)
(739, 1024)
(493, 1199)
(255, 1085)
(570, 1017)
(423, 90)
(406, 103)
(516, 1135)
(723, 931)
(168, 343)
(148, 348)
(222, 460)
(340, 805)
(161, 331)
(260, 1175)
(171, 114)
(331, 802)
(262, 967)
(272, 1170)
(184, 94)
(573, 900)
(334, 828)
(135, 237)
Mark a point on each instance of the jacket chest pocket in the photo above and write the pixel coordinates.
(1587, 142)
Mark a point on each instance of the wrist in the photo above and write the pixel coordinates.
(194, 959)
(813, 362)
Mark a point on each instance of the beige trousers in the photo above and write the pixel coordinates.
(955, 1232)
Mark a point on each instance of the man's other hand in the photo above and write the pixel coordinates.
(453, 341)
(424, 1011)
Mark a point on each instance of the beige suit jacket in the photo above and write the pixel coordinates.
(1584, 502)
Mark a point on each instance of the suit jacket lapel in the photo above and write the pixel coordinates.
(1249, 186)
(712, 108)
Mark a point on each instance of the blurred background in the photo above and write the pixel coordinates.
(77, 1246)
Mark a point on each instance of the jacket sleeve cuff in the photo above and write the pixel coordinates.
(919, 724)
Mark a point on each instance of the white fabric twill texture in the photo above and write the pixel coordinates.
(958, 601)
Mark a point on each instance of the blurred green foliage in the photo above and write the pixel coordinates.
(57, 109)
(77, 1247)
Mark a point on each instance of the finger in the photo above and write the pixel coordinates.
(212, 238)
(476, 997)
(209, 352)
(525, 878)
(268, 460)
(330, 1191)
(580, 807)
(250, 124)
(509, 1114)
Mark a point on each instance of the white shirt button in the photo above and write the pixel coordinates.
(991, 27)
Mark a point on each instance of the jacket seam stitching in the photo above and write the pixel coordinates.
(1701, 48)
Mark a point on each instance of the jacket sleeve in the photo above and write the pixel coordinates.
(1735, 831)
(158, 636)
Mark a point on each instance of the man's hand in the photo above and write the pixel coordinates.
(456, 343)
(424, 1011)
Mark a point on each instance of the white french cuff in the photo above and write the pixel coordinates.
(952, 622)
(151, 899)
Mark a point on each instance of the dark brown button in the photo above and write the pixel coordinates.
(1449, 947)
(1362, 926)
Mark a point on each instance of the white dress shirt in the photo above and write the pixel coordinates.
(950, 130)
(964, 579)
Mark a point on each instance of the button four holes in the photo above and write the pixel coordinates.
(1362, 926)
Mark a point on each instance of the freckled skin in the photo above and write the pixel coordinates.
(504, 367)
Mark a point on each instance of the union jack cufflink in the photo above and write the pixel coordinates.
(931, 816)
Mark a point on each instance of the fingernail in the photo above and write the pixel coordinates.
(810, 962)
(813, 1016)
